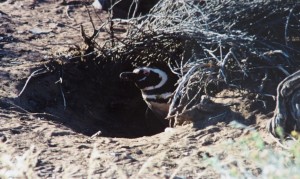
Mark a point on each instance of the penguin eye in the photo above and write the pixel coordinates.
(145, 72)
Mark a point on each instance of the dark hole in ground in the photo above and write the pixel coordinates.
(96, 100)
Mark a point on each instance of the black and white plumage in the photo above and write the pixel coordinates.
(125, 8)
(157, 87)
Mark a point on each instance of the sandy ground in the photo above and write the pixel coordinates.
(31, 35)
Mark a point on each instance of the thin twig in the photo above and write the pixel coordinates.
(33, 74)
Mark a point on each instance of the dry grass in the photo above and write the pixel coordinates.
(249, 158)
(254, 159)
(18, 166)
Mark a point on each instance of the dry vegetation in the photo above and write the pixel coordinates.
(73, 117)
(212, 46)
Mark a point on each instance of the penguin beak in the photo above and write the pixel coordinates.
(129, 76)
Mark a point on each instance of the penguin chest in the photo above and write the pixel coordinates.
(159, 109)
(158, 103)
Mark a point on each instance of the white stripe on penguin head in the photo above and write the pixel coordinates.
(163, 76)
(137, 70)
(97, 4)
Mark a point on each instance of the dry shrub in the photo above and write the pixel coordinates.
(248, 45)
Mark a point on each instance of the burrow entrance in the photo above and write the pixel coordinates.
(91, 98)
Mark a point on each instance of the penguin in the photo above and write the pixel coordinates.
(125, 8)
(157, 86)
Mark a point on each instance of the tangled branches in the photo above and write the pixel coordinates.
(213, 45)
(287, 113)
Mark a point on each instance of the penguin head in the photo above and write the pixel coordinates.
(101, 4)
(146, 78)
